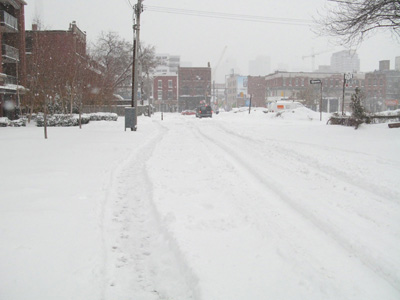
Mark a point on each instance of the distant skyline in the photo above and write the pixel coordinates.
(200, 40)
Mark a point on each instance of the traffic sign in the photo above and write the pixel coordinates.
(315, 81)
(348, 76)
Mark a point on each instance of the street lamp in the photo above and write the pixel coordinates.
(318, 81)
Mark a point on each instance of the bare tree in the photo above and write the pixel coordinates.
(148, 62)
(116, 56)
(354, 20)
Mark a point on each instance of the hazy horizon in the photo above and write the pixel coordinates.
(199, 32)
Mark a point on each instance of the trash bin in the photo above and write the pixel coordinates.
(130, 118)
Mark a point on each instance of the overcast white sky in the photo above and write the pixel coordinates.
(200, 39)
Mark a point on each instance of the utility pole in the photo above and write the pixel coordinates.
(251, 95)
(344, 87)
(138, 8)
(320, 105)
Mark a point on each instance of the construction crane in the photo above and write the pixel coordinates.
(312, 55)
(218, 63)
(214, 72)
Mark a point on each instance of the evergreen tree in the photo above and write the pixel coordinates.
(356, 105)
(359, 115)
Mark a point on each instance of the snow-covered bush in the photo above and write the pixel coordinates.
(102, 116)
(60, 120)
(4, 122)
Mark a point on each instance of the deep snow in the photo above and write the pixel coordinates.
(240, 206)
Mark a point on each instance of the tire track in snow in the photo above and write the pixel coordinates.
(269, 183)
(323, 168)
(141, 259)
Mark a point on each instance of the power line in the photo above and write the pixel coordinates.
(228, 16)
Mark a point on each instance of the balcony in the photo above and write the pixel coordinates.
(9, 54)
(10, 80)
(8, 23)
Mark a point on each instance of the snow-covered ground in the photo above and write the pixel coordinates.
(240, 206)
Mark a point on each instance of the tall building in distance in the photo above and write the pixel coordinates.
(260, 66)
(384, 65)
(169, 64)
(345, 61)
(397, 63)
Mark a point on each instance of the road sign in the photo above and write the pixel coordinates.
(315, 81)
(348, 76)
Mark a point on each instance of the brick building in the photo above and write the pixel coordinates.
(165, 93)
(194, 87)
(58, 66)
(296, 86)
(257, 87)
(382, 90)
(236, 91)
(12, 55)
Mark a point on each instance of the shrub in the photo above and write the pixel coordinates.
(5, 122)
(100, 116)
(60, 120)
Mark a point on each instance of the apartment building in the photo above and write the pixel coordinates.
(382, 88)
(345, 61)
(165, 93)
(12, 56)
(65, 69)
(194, 85)
(167, 64)
(257, 88)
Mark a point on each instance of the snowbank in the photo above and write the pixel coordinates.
(241, 206)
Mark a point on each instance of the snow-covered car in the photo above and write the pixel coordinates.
(188, 112)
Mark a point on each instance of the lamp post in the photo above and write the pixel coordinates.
(318, 81)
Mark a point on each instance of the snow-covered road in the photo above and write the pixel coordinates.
(243, 207)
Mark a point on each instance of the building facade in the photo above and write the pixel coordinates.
(384, 65)
(12, 56)
(260, 66)
(382, 90)
(165, 93)
(397, 63)
(194, 85)
(167, 64)
(236, 91)
(296, 86)
(257, 88)
(345, 61)
(59, 67)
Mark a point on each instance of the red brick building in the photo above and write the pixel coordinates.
(58, 66)
(165, 93)
(257, 88)
(194, 87)
(12, 55)
(382, 90)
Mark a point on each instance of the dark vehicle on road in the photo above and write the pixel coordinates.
(204, 111)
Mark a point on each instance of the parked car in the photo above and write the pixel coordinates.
(188, 112)
(204, 112)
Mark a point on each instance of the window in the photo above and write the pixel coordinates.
(169, 95)
(159, 94)
(170, 84)
(159, 84)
